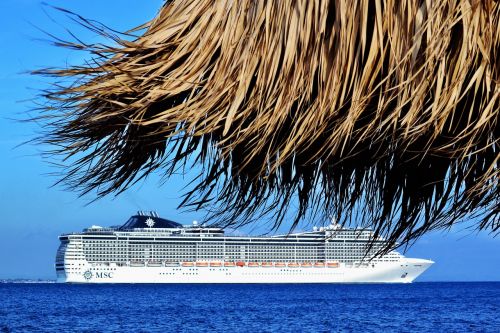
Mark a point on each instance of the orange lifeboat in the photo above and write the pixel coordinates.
(253, 264)
(267, 264)
(306, 264)
(187, 264)
(293, 264)
(319, 265)
(215, 264)
(229, 264)
(240, 264)
(202, 264)
(279, 264)
(333, 264)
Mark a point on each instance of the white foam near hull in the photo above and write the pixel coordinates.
(404, 271)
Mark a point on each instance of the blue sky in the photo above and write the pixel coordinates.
(34, 213)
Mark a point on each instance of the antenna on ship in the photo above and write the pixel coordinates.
(333, 222)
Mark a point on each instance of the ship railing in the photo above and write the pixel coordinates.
(99, 229)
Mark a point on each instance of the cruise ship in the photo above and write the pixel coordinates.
(151, 249)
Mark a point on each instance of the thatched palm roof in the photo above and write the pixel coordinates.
(388, 108)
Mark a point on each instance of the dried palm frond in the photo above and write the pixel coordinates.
(381, 108)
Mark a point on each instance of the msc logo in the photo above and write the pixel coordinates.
(87, 275)
(104, 275)
(150, 222)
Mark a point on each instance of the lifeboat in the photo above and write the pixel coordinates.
(293, 264)
(215, 264)
(229, 264)
(279, 264)
(188, 264)
(135, 263)
(253, 264)
(171, 264)
(201, 264)
(154, 263)
(240, 264)
(306, 264)
(333, 264)
(267, 264)
(319, 265)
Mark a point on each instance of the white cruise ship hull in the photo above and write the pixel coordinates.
(393, 272)
(150, 249)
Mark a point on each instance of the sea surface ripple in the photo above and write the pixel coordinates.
(419, 307)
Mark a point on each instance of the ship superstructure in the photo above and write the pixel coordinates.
(151, 249)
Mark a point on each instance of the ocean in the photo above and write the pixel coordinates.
(418, 307)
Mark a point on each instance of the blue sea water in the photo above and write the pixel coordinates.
(418, 307)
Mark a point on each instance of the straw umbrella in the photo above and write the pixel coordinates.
(383, 110)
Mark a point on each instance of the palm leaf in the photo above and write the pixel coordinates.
(383, 110)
